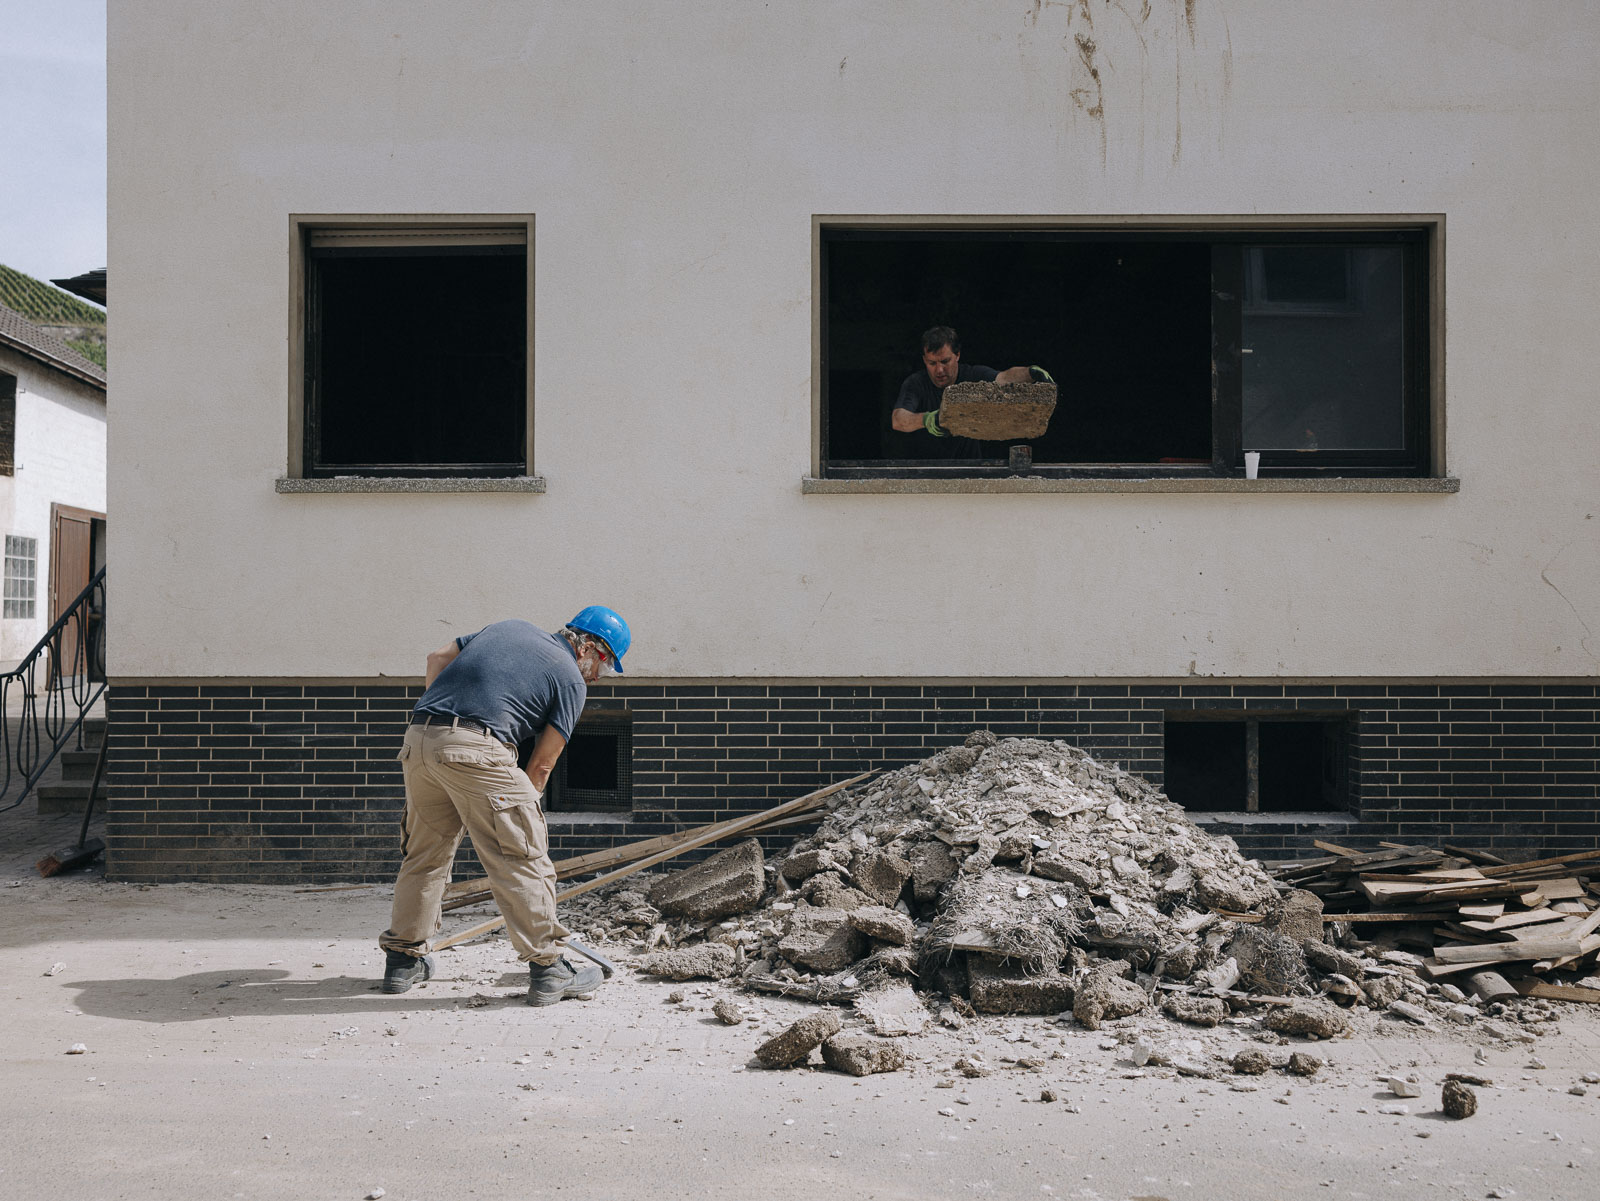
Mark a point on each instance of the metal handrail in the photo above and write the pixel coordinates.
(71, 659)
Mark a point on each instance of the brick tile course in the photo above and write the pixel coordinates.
(238, 781)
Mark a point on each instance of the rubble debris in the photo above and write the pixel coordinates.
(821, 940)
(794, 1044)
(1269, 962)
(1457, 1100)
(78, 1049)
(1103, 996)
(1308, 1017)
(880, 874)
(1303, 1063)
(894, 1010)
(885, 924)
(1197, 1011)
(1298, 917)
(1251, 1062)
(797, 869)
(1401, 1087)
(993, 411)
(731, 881)
(706, 961)
(828, 890)
(728, 1011)
(863, 1055)
(997, 988)
(972, 1066)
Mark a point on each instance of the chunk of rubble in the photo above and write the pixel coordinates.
(801, 867)
(1303, 1063)
(1457, 1100)
(731, 881)
(1251, 1062)
(1269, 962)
(821, 940)
(885, 924)
(1197, 1011)
(893, 1011)
(1068, 871)
(1104, 997)
(996, 988)
(863, 1055)
(972, 1066)
(1298, 916)
(796, 1043)
(704, 961)
(880, 874)
(1308, 1017)
(728, 1011)
(828, 890)
(932, 867)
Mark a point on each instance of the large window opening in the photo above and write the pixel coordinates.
(595, 771)
(1174, 352)
(416, 351)
(1238, 763)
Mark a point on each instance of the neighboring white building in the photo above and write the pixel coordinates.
(434, 314)
(52, 478)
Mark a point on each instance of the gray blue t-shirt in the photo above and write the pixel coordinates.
(514, 678)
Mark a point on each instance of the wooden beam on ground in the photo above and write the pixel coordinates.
(1558, 992)
(1508, 952)
(709, 834)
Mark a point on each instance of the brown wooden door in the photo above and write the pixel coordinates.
(71, 565)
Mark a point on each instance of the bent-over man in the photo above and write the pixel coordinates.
(486, 693)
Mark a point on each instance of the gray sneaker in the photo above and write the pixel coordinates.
(549, 983)
(401, 971)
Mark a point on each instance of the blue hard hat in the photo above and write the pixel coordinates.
(608, 626)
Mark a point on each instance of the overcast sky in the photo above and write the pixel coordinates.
(53, 136)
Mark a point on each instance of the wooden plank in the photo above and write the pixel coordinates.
(1483, 912)
(1335, 849)
(1437, 876)
(1564, 889)
(1512, 920)
(1575, 857)
(1434, 969)
(1558, 992)
(1415, 915)
(1508, 952)
(1475, 856)
(711, 834)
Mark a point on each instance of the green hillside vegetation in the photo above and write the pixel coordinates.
(46, 305)
(39, 301)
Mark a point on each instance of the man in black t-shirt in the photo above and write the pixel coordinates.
(917, 407)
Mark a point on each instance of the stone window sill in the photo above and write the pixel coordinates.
(370, 483)
(812, 486)
(1275, 819)
(569, 819)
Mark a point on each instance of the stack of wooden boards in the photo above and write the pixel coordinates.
(1471, 912)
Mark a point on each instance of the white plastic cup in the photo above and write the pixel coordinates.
(1252, 464)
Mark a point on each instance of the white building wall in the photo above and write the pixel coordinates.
(60, 458)
(675, 156)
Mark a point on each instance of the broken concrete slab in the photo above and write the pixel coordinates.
(1297, 917)
(799, 868)
(880, 874)
(862, 1055)
(987, 410)
(795, 1044)
(885, 924)
(1197, 1011)
(894, 1010)
(1068, 871)
(932, 867)
(827, 890)
(1308, 1017)
(704, 961)
(1102, 996)
(821, 940)
(998, 988)
(731, 881)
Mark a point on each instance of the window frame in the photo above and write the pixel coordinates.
(1347, 777)
(434, 228)
(1423, 417)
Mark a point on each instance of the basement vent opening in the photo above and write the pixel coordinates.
(1239, 763)
(595, 772)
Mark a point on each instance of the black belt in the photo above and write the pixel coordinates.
(446, 719)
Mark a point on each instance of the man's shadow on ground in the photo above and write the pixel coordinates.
(269, 992)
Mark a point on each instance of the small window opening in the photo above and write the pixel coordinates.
(1243, 764)
(21, 576)
(595, 771)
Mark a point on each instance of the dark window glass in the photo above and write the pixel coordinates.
(417, 362)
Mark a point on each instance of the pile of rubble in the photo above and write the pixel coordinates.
(1017, 876)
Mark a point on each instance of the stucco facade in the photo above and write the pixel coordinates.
(678, 162)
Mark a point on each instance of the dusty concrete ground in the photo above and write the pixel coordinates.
(236, 1048)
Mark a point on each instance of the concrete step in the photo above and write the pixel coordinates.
(67, 797)
(78, 765)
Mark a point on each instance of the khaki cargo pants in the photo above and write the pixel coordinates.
(460, 781)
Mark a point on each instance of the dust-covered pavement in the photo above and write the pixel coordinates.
(236, 1048)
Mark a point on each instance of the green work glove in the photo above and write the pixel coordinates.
(1041, 376)
(930, 422)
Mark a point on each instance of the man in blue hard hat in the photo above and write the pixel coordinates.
(510, 683)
